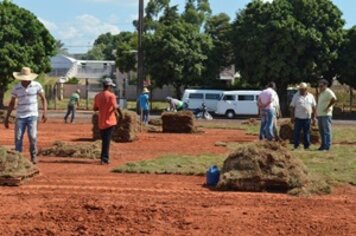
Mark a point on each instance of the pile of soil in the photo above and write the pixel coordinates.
(3, 116)
(286, 132)
(125, 131)
(155, 122)
(178, 122)
(263, 166)
(14, 168)
(78, 150)
(251, 121)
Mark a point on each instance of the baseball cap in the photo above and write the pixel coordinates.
(108, 82)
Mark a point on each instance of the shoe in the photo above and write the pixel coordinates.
(104, 163)
(321, 149)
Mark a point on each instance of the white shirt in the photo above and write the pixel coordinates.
(27, 102)
(303, 105)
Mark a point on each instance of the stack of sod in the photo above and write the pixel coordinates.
(78, 150)
(155, 122)
(264, 166)
(125, 131)
(14, 168)
(178, 122)
(286, 132)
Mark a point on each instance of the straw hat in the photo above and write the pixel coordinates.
(303, 85)
(25, 74)
(145, 90)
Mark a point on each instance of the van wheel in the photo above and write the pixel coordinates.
(230, 114)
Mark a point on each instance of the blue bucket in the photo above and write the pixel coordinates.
(212, 176)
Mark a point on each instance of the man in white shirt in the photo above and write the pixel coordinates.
(265, 104)
(26, 93)
(303, 114)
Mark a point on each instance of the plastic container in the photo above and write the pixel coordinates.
(212, 176)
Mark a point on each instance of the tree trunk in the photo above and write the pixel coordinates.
(2, 95)
(351, 99)
(282, 91)
(178, 91)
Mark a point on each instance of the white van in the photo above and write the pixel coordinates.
(194, 98)
(235, 103)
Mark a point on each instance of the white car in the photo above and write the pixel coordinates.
(235, 103)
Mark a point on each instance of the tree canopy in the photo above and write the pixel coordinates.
(24, 41)
(287, 41)
(346, 65)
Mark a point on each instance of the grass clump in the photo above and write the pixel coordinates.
(173, 164)
(78, 150)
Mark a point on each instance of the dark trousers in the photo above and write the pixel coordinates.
(70, 110)
(105, 145)
(302, 125)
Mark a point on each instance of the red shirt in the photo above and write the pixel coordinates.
(106, 103)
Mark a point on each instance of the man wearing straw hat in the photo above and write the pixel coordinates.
(26, 93)
(303, 115)
(144, 100)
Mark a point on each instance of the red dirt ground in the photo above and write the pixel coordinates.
(76, 197)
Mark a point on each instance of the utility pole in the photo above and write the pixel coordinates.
(140, 61)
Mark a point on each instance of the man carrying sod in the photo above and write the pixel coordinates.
(175, 104)
(105, 103)
(303, 115)
(74, 103)
(26, 93)
(326, 102)
(144, 100)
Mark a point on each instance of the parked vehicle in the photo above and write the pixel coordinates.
(195, 97)
(235, 103)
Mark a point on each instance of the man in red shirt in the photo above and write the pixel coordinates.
(105, 103)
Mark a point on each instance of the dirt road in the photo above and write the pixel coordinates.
(76, 197)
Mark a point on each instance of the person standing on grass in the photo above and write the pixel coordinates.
(26, 93)
(105, 103)
(73, 104)
(144, 100)
(303, 115)
(326, 101)
(266, 100)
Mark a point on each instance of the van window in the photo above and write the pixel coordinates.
(246, 98)
(196, 96)
(257, 97)
(229, 98)
(212, 96)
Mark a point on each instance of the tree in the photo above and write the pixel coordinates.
(287, 42)
(96, 53)
(346, 65)
(218, 28)
(24, 41)
(175, 55)
(126, 53)
(60, 49)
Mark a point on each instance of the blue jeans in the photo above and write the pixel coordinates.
(105, 144)
(70, 110)
(324, 123)
(29, 123)
(145, 116)
(267, 123)
(299, 125)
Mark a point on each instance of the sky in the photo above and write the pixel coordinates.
(78, 23)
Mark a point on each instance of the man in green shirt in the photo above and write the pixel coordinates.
(326, 101)
(73, 104)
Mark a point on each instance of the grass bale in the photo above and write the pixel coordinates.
(15, 168)
(286, 132)
(125, 131)
(155, 122)
(78, 150)
(263, 166)
(178, 122)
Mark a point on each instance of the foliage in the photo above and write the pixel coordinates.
(24, 41)
(346, 65)
(287, 41)
(60, 49)
(96, 53)
(126, 53)
(73, 80)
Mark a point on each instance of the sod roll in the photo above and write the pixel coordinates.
(178, 122)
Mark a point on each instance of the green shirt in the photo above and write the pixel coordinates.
(74, 99)
(324, 101)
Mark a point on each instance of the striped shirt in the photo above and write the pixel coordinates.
(27, 103)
